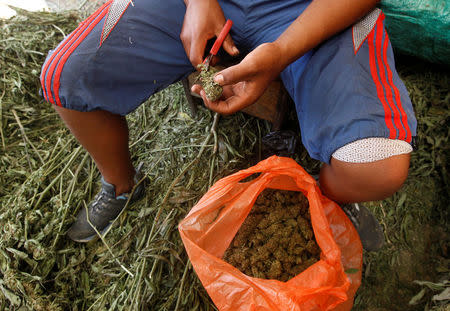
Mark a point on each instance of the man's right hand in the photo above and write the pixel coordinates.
(204, 19)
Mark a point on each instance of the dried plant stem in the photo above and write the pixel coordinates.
(74, 155)
(188, 266)
(1, 117)
(384, 224)
(98, 299)
(25, 137)
(68, 197)
(137, 281)
(211, 171)
(60, 30)
(180, 147)
(50, 154)
(73, 182)
(82, 4)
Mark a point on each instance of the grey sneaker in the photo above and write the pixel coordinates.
(368, 227)
(103, 210)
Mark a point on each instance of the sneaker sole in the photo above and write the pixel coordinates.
(94, 236)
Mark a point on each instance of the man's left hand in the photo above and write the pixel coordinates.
(245, 82)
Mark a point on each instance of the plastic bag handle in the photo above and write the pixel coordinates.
(287, 165)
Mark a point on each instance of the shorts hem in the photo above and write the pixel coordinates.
(330, 150)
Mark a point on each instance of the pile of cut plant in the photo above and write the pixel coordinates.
(276, 240)
(46, 178)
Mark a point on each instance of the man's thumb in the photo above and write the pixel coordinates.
(232, 75)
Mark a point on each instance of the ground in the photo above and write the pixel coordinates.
(45, 178)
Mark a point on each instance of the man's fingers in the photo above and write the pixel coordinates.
(229, 47)
(196, 88)
(214, 106)
(229, 106)
(195, 58)
(196, 53)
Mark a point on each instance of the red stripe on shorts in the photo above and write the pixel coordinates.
(45, 82)
(406, 136)
(56, 81)
(57, 55)
(382, 65)
(378, 85)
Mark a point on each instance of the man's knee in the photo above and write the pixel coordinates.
(396, 170)
(359, 182)
(387, 175)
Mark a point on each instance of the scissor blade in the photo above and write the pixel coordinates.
(207, 61)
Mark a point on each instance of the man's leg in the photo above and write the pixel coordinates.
(355, 117)
(108, 147)
(346, 182)
(103, 70)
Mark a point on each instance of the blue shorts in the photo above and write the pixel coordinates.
(344, 90)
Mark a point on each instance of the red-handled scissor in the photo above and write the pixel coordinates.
(218, 43)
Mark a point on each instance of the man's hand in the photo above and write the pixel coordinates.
(204, 19)
(245, 82)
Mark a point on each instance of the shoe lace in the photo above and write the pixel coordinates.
(100, 201)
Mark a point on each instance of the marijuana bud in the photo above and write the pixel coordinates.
(212, 89)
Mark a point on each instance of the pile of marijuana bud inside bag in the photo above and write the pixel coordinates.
(276, 240)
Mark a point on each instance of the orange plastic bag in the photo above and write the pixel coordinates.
(211, 225)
